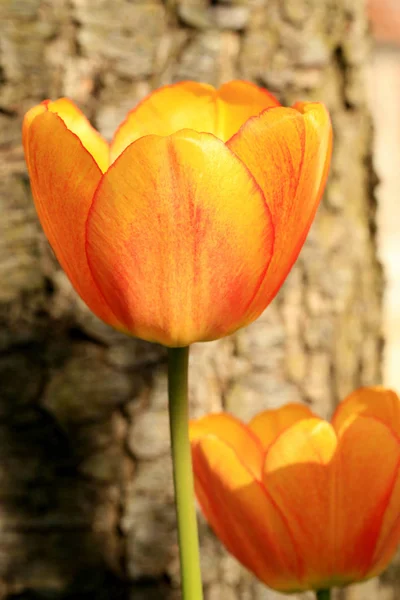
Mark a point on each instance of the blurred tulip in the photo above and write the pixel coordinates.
(184, 227)
(303, 503)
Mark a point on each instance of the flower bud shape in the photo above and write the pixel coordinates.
(184, 227)
(303, 503)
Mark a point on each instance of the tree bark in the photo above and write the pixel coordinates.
(86, 499)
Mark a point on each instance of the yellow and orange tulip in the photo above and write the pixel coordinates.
(184, 227)
(303, 503)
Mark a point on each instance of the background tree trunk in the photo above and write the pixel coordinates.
(86, 499)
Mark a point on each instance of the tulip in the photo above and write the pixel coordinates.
(303, 503)
(184, 227)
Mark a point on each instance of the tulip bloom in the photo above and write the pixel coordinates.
(303, 503)
(184, 227)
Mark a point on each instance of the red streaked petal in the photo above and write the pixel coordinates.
(389, 536)
(334, 494)
(367, 462)
(64, 177)
(288, 152)
(179, 238)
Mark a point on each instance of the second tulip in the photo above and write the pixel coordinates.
(303, 503)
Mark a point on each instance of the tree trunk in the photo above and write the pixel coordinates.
(86, 499)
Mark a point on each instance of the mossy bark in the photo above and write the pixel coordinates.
(86, 501)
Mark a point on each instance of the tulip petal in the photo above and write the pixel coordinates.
(367, 463)
(179, 238)
(269, 424)
(185, 105)
(298, 478)
(234, 434)
(288, 152)
(29, 117)
(242, 514)
(378, 402)
(63, 178)
(389, 536)
(192, 105)
(323, 487)
(237, 102)
(76, 122)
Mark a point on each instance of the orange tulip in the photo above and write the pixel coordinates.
(184, 227)
(303, 503)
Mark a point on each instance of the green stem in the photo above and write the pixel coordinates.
(178, 359)
(323, 594)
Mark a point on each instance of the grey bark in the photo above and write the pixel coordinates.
(86, 500)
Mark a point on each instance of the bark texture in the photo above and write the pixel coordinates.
(86, 499)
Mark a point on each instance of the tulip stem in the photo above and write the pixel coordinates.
(178, 359)
(323, 594)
